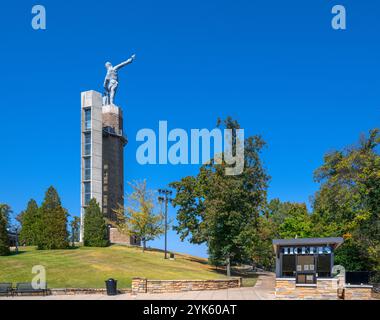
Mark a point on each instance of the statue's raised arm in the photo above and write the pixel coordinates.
(130, 60)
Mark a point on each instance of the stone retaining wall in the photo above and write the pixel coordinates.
(143, 285)
(358, 292)
(325, 289)
(74, 291)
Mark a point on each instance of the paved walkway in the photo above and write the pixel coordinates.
(263, 290)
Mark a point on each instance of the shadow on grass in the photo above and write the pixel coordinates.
(14, 253)
(73, 248)
(179, 255)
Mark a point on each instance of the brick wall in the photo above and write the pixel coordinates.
(142, 285)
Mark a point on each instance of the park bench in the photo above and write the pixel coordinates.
(27, 288)
(6, 289)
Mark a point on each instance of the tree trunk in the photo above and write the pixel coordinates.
(228, 267)
(144, 245)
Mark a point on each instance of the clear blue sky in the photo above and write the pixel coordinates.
(276, 66)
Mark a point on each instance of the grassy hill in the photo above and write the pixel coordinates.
(89, 267)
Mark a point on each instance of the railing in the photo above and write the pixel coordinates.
(363, 277)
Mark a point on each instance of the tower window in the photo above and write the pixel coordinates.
(87, 193)
(87, 143)
(87, 119)
(87, 169)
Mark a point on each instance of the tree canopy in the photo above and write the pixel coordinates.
(348, 202)
(223, 210)
(53, 223)
(232, 216)
(30, 220)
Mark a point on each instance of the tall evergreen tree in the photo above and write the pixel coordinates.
(53, 223)
(95, 228)
(30, 224)
(4, 240)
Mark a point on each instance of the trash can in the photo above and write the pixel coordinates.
(111, 286)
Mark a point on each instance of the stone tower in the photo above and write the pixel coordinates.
(102, 160)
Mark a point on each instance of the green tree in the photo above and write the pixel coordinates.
(279, 220)
(296, 223)
(95, 229)
(30, 220)
(53, 223)
(222, 210)
(262, 247)
(348, 201)
(138, 218)
(4, 240)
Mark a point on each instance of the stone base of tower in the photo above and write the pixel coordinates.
(116, 237)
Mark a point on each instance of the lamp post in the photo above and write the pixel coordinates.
(72, 236)
(165, 198)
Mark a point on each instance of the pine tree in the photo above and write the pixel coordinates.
(53, 223)
(30, 222)
(4, 240)
(95, 229)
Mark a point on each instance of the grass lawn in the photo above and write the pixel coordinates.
(89, 267)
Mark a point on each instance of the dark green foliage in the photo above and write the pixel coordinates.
(228, 213)
(353, 256)
(348, 203)
(297, 223)
(53, 223)
(4, 240)
(224, 210)
(95, 228)
(30, 220)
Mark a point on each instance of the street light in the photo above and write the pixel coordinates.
(165, 198)
(16, 229)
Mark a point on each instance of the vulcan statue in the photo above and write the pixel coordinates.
(111, 80)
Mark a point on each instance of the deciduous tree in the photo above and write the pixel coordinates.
(139, 218)
(223, 211)
(348, 202)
